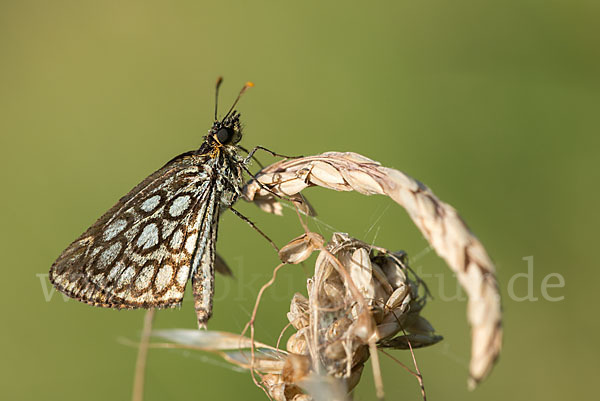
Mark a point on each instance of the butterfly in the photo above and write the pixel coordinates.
(142, 252)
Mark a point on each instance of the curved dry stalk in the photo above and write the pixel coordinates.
(251, 325)
(439, 222)
(418, 376)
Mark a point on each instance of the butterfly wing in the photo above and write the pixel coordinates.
(203, 260)
(140, 252)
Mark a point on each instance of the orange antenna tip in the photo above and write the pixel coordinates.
(244, 88)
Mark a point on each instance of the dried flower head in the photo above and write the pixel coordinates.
(356, 295)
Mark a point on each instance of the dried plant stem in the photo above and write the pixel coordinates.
(140, 364)
(415, 374)
(414, 358)
(419, 375)
(251, 325)
(281, 335)
(164, 346)
(376, 370)
(399, 362)
(302, 223)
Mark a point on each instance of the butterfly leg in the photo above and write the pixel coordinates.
(299, 199)
(247, 220)
(253, 151)
(252, 157)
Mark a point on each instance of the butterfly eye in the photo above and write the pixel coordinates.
(224, 135)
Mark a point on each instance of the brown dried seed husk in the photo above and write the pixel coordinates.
(394, 273)
(275, 385)
(361, 355)
(383, 286)
(358, 266)
(296, 368)
(335, 350)
(417, 324)
(390, 326)
(265, 364)
(416, 341)
(377, 311)
(297, 344)
(439, 222)
(300, 248)
(397, 297)
(334, 290)
(338, 328)
(354, 378)
(298, 314)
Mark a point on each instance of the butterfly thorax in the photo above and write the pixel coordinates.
(224, 167)
(219, 156)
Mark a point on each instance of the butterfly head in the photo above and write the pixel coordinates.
(228, 131)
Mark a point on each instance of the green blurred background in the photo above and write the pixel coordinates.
(493, 104)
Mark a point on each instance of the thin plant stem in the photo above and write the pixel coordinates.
(251, 325)
(281, 335)
(398, 362)
(414, 358)
(419, 375)
(376, 370)
(140, 364)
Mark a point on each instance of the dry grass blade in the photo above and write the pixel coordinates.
(439, 222)
(208, 340)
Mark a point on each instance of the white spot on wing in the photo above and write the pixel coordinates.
(114, 272)
(114, 228)
(182, 275)
(163, 278)
(126, 277)
(150, 203)
(149, 236)
(179, 205)
(177, 239)
(143, 280)
(190, 243)
(172, 293)
(109, 255)
(168, 227)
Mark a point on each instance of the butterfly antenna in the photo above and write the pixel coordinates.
(244, 89)
(218, 85)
